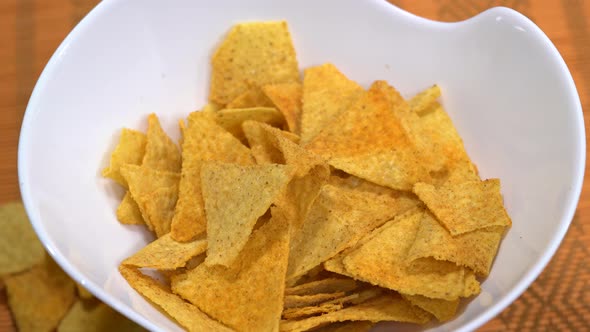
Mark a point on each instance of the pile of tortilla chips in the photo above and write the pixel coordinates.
(41, 296)
(294, 204)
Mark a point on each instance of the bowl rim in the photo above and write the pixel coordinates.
(529, 277)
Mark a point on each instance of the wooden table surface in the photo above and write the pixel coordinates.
(559, 300)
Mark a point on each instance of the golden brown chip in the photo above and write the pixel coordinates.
(421, 102)
(254, 97)
(328, 285)
(232, 119)
(475, 250)
(19, 247)
(357, 326)
(384, 308)
(158, 208)
(143, 180)
(441, 309)
(467, 206)
(96, 317)
(235, 197)
(357, 297)
(337, 220)
(287, 97)
(299, 301)
(370, 142)
(381, 261)
(297, 313)
(130, 150)
(40, 297)
(128, 212)
(83, 293)
(167, 254)
(204, 140)
(186, 314)
(326, 93)
(160, 151)
(252, 55)
(181, 127)
(257, 277)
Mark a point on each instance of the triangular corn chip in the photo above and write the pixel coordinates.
(130, 150)
(328, 285)
(326, 93)
(186, 314)
(287, 97)
(160, 151)
(235, 197)
(128, 212)
(167, 254)
(441, 309)
(421, 102)
(299, 301)
(254, 97)
(232, 119)
(466, 206)
(252, 55)
(298, 313)
(257, 277)
(204, 140)
(262, 138)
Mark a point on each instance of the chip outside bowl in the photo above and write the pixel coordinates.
(504, 85)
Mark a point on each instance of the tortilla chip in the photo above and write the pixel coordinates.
(204, 140)
(287, 97)
(252, 55)
(128, 212)
(369, 141)
(167, 254)
(160, 151)
(96, 317)
(467, 206)
(421, 102)
(235, 197)
(40, 297)
(337, 220)
(475, 250)
(358, 326)
(83, 293)
(19, 247)
(329, 285)
(441, 309)
(232, 119)
(181, 127)
(254, 97)
(256, 277)
(381, 261)
(186, 314)
(326, 93)
(143, 180)
(384, 308)
(298, 301)
(358, 296)
(158, 208)
(130, 150)
(297, 313)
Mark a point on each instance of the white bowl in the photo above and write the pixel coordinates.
(505, 86)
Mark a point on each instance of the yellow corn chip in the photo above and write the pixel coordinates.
(160, 151)
(296, 313)
(254, 97)
(357, 297)
(83, 293)
(204, 140)
(128, 212)
(158, 208)
(19, 247)
(257, 277)
(235, 197)
(326, 93)
(181, 127)
(143, 180)
(96, 317)
(337, 220)
(329, 285)
(252, 55)
(384, 308)
(381, 261)
(186, 314)
(467, 206)
(287, 97)
(369, 141)
(441, 309)
(130, 150)
(40, 297)
(421, 102)
(298, 301)
(232, 119)
(475, 250)
(263, 139)
(167, 254)
(357, 326)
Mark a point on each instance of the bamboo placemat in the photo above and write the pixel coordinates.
(559, 300)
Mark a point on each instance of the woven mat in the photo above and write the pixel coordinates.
(30, 30)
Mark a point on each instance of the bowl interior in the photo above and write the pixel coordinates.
(505, 86)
